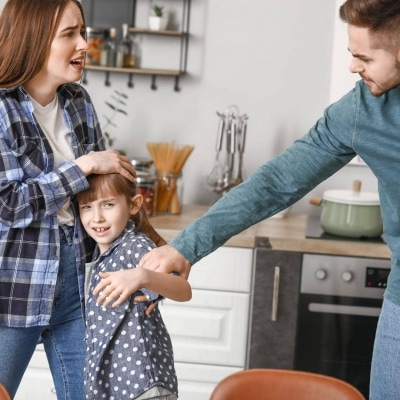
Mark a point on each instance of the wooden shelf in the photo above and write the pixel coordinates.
(100, 16)
(152, 32)
(136, 71)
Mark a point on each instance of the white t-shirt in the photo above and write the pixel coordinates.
(52, 123)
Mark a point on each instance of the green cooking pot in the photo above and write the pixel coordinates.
(351, 214)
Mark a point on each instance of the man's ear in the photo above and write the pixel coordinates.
(136, 203)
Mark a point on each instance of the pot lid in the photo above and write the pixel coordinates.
(142, 162)
(352, 197)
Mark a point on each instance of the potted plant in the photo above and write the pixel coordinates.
(158, 20)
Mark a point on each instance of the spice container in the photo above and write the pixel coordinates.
(146, 183)
(95, 40)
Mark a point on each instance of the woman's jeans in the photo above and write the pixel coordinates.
(63, 338)
(385, 371)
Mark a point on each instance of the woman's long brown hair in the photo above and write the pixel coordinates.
(27, 29)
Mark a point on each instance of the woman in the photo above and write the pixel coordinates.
(50, 141)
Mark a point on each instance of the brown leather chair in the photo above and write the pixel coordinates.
(4, 395)
(275, 384)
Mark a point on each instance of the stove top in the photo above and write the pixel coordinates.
(315, 231)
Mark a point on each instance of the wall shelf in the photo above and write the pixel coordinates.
(97, 16)
(135, 71)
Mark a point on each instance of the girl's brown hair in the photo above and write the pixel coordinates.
(27, 29)
(102, 186)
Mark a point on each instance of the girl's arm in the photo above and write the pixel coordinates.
(119, 285)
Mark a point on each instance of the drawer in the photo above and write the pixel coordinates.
(227, 268)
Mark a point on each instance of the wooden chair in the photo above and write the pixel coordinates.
(4, 395)
(275, 384)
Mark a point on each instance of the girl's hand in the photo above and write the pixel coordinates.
(116, 287)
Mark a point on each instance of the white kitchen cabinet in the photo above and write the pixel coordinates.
(37, 383)
(209, 333)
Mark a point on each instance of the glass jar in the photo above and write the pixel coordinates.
(169, 190)
(146, 183)
(95, 40)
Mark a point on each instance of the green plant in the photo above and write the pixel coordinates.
(158, 10)
(117, 106)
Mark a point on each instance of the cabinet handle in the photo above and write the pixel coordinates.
(275, 294)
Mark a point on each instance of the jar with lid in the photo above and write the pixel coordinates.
(146, 184)
(109, 50)
(127, 50)
(95, 41)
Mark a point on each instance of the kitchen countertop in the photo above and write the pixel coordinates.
(288, 234)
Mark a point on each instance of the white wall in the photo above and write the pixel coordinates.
(273, 59)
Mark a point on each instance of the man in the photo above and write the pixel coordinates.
(364, 122)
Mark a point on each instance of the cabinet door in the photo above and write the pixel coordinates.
(210, 329)
(196, 381)
(272, 343)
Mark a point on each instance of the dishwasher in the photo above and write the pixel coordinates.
(339, 303)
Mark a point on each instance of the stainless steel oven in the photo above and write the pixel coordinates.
(339, 304)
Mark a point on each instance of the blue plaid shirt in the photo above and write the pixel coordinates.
(31, 192)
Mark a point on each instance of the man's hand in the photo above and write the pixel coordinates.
(166, 259)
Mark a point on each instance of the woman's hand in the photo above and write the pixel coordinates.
(166, 259)
(105, 162)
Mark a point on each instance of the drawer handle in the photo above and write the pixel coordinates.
(275, 294)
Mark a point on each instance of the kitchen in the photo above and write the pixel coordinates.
(301, 63)
(256, 72)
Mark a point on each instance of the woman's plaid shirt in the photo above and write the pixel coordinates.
(31, 192)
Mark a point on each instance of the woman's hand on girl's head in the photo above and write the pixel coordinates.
(105, 162)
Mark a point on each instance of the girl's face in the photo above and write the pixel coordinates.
(68, 49)
(105, 218)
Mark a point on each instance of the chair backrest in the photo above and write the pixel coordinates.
(276, 384)
(4, 395)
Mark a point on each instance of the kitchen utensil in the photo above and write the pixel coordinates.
(241, 144)
(215, 177)
(351, 213)
(231, 135)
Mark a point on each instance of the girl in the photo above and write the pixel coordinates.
(129, 351)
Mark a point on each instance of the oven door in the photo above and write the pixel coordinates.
(335, 337)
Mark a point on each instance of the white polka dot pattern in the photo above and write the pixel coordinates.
(127, 351)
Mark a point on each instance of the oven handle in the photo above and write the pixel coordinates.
(343, 309)
(275, 294)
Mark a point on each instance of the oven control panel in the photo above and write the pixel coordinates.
(344, 276)
(376, 277)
